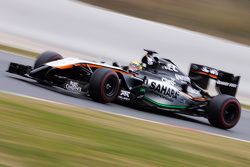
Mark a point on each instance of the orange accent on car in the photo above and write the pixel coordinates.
(193, 98)
(64, 67)
(91, 66)
(116, 70)
(210, 75)
(199, 99)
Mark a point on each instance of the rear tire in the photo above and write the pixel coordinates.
(46, 57)
(104, 85)
(224, 111)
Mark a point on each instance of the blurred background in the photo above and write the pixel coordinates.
(224, 18)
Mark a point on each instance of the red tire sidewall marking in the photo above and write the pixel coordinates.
(102, 85)
(222, 111)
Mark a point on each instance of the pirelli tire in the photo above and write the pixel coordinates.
(224, 111)
(104, 85)
(46, 57)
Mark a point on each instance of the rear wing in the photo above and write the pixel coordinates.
(226, 83)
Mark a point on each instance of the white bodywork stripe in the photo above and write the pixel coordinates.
(72, 61)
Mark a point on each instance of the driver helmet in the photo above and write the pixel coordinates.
(134, 66)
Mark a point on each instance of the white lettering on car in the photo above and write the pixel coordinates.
(73, 86)
(125, 93)
(232, 85)
(163, 88)
(168, 81)
(182, 78)
(170, 67)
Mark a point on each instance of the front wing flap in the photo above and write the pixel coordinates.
(19, 69)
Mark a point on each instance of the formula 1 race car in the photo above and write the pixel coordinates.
(159, 85)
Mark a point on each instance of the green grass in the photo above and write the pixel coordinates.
(224, 18)
(35, 133)
(18, 51)
(246, 107)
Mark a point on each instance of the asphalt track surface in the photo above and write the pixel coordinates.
(19, 85)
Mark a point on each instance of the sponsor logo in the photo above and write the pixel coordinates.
(125, 93)
(205, 69)
(182, 78)
(164, 89)
(170, 67)
(73, 86)
(209, 70)
(214, 72)
(168, 81)
(232, 85)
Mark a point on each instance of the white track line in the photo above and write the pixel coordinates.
(140, 119)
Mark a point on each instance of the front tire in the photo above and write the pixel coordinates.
(224, 111)
(104, 85)
(46, 57)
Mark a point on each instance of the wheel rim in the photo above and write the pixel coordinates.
(231, 114)
(110, 87)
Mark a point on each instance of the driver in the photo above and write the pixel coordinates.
(134, 66)
(148, 62)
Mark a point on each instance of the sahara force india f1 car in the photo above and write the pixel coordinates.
(161, 85)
